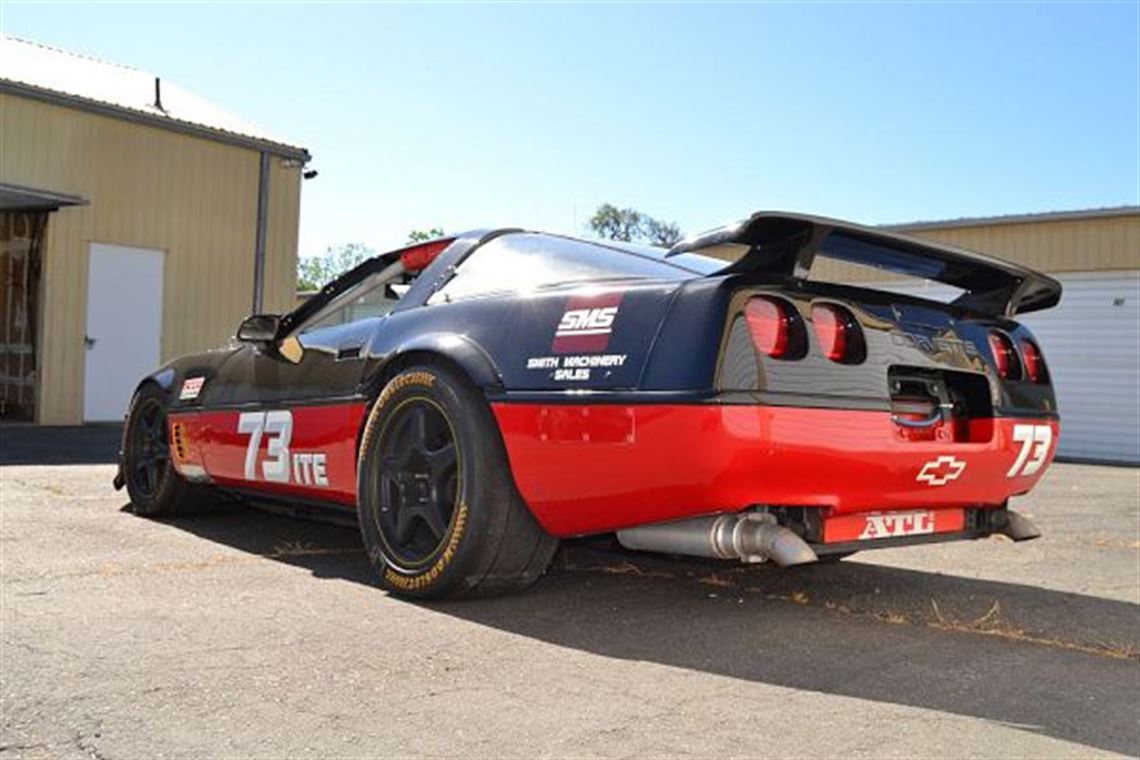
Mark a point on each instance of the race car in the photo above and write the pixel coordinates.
(471, 400)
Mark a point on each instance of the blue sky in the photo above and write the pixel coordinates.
(464, 116)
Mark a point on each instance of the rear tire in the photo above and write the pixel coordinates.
(155, 488)
(439, 512)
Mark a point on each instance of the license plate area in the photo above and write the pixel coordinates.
(869, 526)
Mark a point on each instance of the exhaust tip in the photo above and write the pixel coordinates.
(1019, 527)
(750, 537)
(757, 537)
(787, 549)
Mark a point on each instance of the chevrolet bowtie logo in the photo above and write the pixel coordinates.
(940, 471)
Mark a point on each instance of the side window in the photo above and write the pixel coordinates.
(374, 296)
(520, 262)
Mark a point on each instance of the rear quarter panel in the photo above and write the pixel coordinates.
(581, 338)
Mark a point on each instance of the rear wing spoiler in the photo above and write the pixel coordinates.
(786, 245)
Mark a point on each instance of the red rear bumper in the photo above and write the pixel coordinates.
(594, 468)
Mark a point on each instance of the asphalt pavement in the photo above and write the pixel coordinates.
(248, 634)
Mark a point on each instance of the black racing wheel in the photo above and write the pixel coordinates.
(155, 488)
(439, 511)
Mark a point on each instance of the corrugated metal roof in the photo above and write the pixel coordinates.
(40, 71)
(21, 198)
(1045, 216)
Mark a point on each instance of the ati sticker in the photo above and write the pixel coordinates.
(586, 324)
(899, 524)
(575, 368)
(875, 525)
(308, 468)
(191, 387)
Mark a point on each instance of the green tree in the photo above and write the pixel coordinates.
(422, 236)
(615, 223)
(631, 226)
(661, 234)
(314, 272)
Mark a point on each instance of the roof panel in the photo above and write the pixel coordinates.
(989, 221)
(20, 198)
(131, 90)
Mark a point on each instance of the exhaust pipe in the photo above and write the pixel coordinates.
(1019, 527)
(752, 537)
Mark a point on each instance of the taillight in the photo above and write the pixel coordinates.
(1005, 358)
(1034, 363)
(769, 324)
(839, 334)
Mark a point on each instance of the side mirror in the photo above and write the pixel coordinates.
(259, 328)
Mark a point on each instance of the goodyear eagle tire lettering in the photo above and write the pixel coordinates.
(439, 512)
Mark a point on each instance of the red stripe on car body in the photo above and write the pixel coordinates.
(592, 468)
(595, 468)
(330, 429)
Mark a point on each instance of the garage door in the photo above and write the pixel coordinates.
(1092, 346)
(1091, 343)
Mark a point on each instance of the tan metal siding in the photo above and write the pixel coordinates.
(1077, 245)
(281, 238)
(1074, 245)
(192, 198)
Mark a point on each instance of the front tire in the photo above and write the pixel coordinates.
(155, 488)
(439, 512)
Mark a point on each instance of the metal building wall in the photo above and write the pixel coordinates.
(1090, 344)
(194, 199)
(1085, 244)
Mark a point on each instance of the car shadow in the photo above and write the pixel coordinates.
(1059, 664)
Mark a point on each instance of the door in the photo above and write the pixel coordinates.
(288, 427)
(124, 326)
(286, 419)
(21, 235)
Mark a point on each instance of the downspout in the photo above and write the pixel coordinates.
(259, 243)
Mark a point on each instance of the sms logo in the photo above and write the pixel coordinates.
(586, 324)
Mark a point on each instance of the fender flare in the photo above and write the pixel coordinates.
(163, 378)
(467, 355)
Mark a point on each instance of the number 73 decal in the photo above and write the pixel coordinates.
(308, 468)
(1035, 441)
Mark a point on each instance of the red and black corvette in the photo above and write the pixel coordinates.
(471, 400)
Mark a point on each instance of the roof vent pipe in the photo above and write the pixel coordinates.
(158, 94)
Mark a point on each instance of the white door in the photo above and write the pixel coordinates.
(124, 326)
